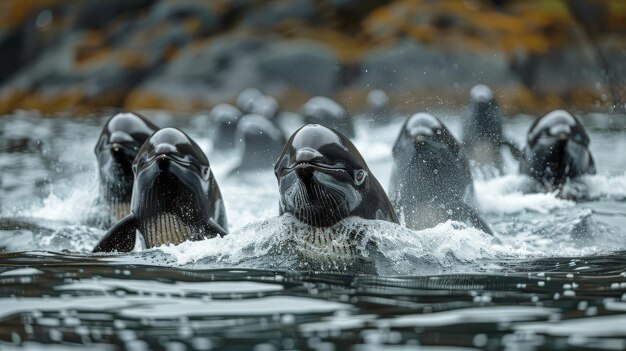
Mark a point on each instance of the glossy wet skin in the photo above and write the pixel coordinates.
(431, 179)
(259, 141)
(482, 128)
(557, 149)
(173, 175)
(323, 179)
(175, 196)
(117, 147)
(484, 120)
(119, 143)
(170, 175)
(224, 119)
(325, 111)
(425, 131)
(429, 162)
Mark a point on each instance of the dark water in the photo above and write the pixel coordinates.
(554, 276)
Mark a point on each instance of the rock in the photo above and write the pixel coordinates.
(561, 70)
(94, 14)
(202, 76)
(22, 44)
(275, 12)
(56, 83)
(613, 50)
(176, 11)
(309, 66)
(219, 70)
(410, 66)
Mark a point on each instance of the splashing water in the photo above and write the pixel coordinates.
(552, 276)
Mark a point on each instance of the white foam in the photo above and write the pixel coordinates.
(444, 245)
(73, 202)
(605, 186)
(253, 240)
(21, 271)
(529, 225)
(142, 286)
(504, 195)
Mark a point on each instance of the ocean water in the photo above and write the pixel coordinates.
(552, 277)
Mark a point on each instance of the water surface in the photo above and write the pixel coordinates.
(554, 276)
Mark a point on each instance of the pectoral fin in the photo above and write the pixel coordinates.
(121, 237)
(214, 228)
(476, 221)
(515, 151)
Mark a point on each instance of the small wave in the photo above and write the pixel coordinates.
(406, 250)
(71, 202)
(505, 195)
(253, 240)
(605, 187)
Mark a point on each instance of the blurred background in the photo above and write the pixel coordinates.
(81, 57)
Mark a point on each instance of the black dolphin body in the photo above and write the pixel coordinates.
(431, 180)
(325, 111)
(120, 140)
(557, 150)
(483, 139)
(175, 196)
(224, 119)
(323, 179)
(259, 140)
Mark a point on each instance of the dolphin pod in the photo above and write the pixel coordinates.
(157, 187)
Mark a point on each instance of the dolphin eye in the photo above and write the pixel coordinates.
(360, 176)
(205, 173)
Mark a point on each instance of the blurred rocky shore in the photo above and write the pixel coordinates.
(83, 56)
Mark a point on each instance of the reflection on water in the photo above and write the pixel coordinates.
(87, 300)
(552, 277)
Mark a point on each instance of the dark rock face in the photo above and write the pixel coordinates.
(308, 66)
(96, 13)
(614, 55)
(409, 65)
(219, 71)
(563, 69)
(215, 72)
(192, 54)
(275, 12)
(180, 12)
(23, 44)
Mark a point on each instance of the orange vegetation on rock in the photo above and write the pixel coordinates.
(14, 12)
(91, 47)
(9, 99)
(616, 13)
(131, 59)
(143, 99)
(348, 49)
(52, 101)
(522, 26)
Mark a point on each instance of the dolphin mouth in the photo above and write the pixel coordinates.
(162, 160)
(116, 147)
(316, 166)
(315, 204)
(166, 157)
